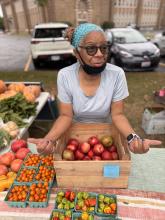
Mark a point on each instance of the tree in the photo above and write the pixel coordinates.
(1, 23)
(41, 3)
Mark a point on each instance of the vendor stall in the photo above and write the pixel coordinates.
(144, 198)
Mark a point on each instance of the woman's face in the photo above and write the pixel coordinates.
(87, 49)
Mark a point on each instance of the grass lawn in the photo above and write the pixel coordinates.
(141, 87)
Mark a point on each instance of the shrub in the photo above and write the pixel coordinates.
(107, 24)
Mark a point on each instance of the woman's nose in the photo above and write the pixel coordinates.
(99, 53)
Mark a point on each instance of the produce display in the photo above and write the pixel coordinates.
(17, 103)
(38, 192)
(86, 206)
(11, 162)
(20, 162)
(92, 149)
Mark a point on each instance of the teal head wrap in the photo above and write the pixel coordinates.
(82, 30)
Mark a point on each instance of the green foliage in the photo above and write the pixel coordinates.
(107, 24)
(41, 2)
(68, 23)
(1, 23)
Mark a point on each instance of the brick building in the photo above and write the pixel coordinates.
(22, 15)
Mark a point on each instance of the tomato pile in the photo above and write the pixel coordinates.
(45, 174)
(26, 175)
(38, 192)
(47, 160)
(32, 160)
(18, 193)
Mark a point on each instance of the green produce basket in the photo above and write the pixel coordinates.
(64, 202)
(111, 197)
(51, 181)
(60, 212)
(39, 204)
(78, 214)
(15, 203)
(18, 174)
(90, 195)
(26, 158)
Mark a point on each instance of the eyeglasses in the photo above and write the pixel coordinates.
(92, 49)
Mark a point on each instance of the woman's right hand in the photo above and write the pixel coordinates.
(44, 145)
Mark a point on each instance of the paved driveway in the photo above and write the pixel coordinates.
(15, 51)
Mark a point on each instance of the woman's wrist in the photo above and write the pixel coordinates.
(51, 140)
(131, 137)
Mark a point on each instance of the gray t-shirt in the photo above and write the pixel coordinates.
(96, 108)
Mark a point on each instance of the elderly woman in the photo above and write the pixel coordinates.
(91, 91)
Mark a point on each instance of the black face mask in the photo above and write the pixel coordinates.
(93, 70)
(90, 69)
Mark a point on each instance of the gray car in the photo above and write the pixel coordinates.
(159, 41)
(131, 50)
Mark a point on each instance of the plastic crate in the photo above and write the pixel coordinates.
(19, 204)
(27, 157)
(78, 214)
(90, 195)
(59, 211)
(64, 208)
(18, 174)
(51, 181)
(34, 204)
(102, 214)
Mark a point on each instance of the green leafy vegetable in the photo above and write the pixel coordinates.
(4, 138)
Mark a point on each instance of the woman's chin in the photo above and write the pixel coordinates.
(98, 64)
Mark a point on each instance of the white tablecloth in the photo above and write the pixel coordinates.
(148, 171)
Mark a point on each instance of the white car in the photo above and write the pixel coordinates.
(159, 41)
(48, 43)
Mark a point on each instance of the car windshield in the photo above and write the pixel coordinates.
(128, 37)
(49, 32)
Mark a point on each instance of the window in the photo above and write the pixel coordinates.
(49, 32)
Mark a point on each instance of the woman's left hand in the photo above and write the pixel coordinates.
(140, 146)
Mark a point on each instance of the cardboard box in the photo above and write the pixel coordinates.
(93, 174)
(153, 120)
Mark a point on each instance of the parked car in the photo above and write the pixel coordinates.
(159, 41)
(48, 43)
(131, 50)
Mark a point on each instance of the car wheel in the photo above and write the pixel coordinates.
(36, 63)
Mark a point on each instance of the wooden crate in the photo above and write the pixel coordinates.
(89, 174)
